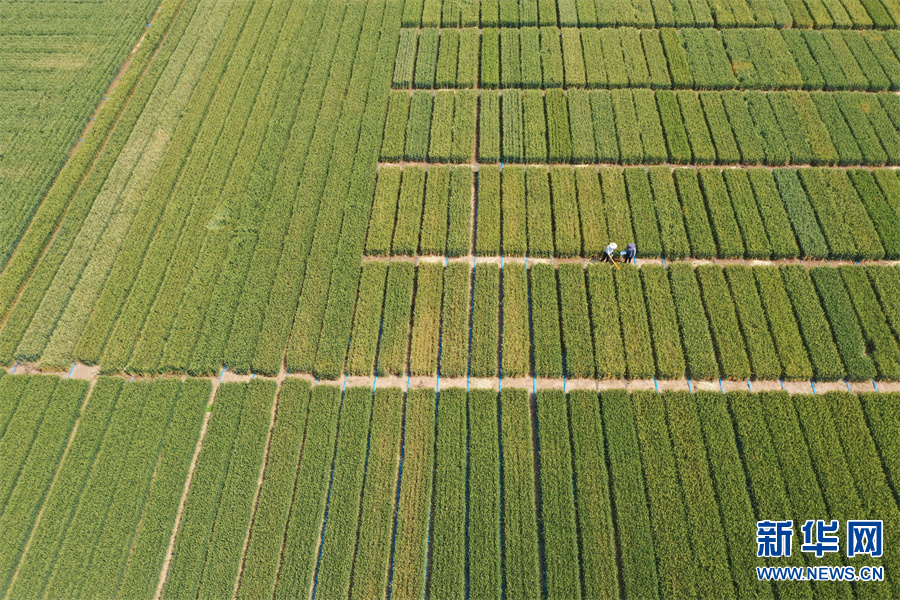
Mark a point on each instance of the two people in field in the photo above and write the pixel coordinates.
(627, 256)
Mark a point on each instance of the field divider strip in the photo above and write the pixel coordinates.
(535, 383)
(565, 89)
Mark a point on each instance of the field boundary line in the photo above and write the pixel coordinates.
(480, 27)
(164, 571)
(565, 89)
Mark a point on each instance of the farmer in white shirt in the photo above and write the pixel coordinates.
(608, 254)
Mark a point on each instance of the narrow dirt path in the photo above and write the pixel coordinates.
(498, 383)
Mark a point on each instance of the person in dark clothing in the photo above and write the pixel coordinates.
(630, 253)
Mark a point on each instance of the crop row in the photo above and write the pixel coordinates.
(738, 322)
(213, 527)
(648, 127)
(105, 521)
(691, 58)
(647, 13)
(674, 213)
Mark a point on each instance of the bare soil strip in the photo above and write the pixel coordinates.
(497, 383)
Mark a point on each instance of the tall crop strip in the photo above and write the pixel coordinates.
(22, 428)
(340, 529)
(562, 563)
(796, 465)
(668, 514)
(597, 542)
(373, 547)
(152, 537)
(111, 545)
(426, 327)
(409, 553)
(882, 413)
(101, 238)
(732, 490)
(260, 33)
(36, 471)
(317, 192)
(271, 211)
(635, 552)
(341, 267)
(704, 523)
(484, 566)
(448, 531)
(48, 107)
(299, 549)
(867, 470)
(239, 336)
(213, 527)
(260, 562)
(72, 561)
(90, 164)
(59, 506)
(238, 493)
(345, 271)
(244, 205)
(833, 469)
(522, 568)
(766, 481)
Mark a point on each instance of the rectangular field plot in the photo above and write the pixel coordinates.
(586, 321)
(661, 58)
(809, 212)
(748, 127)
(636, 13)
